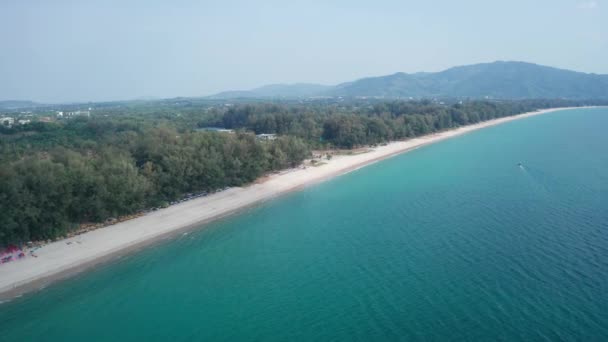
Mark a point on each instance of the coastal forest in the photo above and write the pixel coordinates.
(56, 175)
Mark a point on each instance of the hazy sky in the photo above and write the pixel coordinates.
(60, 50)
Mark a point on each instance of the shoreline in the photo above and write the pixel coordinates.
(67, 257)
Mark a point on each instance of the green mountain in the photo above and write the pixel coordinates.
(501, 80)
(512, 80)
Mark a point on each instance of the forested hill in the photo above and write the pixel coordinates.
(506, 80)
(499, 80)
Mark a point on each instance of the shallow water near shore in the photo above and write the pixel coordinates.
(452, 241)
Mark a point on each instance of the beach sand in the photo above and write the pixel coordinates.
(66, 257)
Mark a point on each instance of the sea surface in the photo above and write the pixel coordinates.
(454, 241)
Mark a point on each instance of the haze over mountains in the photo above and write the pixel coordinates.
(501, 80)
(497, 80)
(16, 104)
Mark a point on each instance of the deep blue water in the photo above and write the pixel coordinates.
(453, 241)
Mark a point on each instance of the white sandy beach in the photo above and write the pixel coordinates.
(61, 258)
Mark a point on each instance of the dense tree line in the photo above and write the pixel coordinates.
(370, 123)
(54, 176)
(94, 171)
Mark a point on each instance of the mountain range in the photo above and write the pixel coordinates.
(15, 104)
(500, 80)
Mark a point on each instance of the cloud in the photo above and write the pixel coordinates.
(587, 5)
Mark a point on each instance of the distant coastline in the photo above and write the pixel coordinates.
(66, 257)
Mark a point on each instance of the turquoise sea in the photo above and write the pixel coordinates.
(453, 241)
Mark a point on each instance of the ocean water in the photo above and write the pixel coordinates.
(453, 241)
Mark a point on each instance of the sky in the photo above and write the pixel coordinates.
(101, 50)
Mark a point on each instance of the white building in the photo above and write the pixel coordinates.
(7, 121)
(266, 136)
(78, 113)
(215, 129)
(67, 115)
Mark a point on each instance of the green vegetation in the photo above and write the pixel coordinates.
(88, 170)
(361, 123)
(129, 157)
